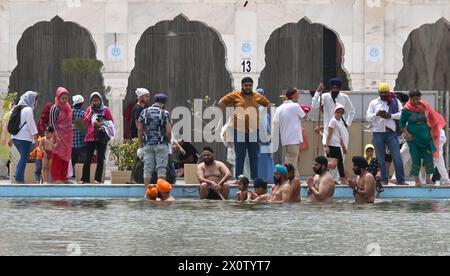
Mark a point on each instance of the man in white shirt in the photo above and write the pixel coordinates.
(288, 122)
(329, 102)
(382, 115)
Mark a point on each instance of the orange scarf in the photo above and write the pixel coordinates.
(435, 121)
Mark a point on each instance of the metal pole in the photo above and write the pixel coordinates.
(318, 125)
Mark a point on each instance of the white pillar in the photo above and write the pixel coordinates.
(117, 84)
(390, 49)
(358, 59)
(245, 44)
(374, 43)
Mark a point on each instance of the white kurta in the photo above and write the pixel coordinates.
(329, 106)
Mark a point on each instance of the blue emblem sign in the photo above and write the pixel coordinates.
(246, 47)
(374, 52)
(116, 52)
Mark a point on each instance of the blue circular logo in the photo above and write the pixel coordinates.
(374, 52)
(246, 47)
(116, 52)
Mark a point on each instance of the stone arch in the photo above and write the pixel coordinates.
(56, 53)
(301, 55)
(426, 58)
(182, 58)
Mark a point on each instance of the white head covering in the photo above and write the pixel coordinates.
(339, 106)
(78, 99)
(142, 92)
(28, 99)
(342, 130)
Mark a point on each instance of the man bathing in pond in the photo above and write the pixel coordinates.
(364, 185)
(213, 176)
(321, 187)
(161, 192)
(260, 194)
(243, 193)
(295, 183)
(283, 190)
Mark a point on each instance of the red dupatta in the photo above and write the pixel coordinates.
(435, 121)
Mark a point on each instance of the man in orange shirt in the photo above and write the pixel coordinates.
(246, 122)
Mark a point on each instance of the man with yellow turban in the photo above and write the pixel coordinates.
(383, 116)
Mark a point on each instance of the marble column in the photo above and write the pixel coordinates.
(374, 14)
(116, 84)
(246, 41)
(357, 54)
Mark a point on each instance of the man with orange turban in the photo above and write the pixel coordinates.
(164, 188)
(152, 193)
(161, 192)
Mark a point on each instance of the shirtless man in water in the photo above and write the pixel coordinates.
(295, 184)
(283, 190)
(161, 192)
(365, 185)
(213, 176)
(321, 187)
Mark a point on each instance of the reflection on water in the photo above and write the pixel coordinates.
(136, 227)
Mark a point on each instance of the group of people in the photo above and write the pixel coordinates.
(214, 177)
(64, 135)
(405, 129)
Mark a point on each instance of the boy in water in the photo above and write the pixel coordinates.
(243, 182)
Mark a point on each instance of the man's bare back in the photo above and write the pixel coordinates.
(296, 187)
(366, 189)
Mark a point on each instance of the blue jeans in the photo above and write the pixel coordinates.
(38, 172)
(243, 143)
(24, 148)
(389, 139)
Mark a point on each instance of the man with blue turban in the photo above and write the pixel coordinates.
(330, 100)
(283, 190)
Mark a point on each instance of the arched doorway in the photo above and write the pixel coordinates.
(301, 55)
(185, 60)
(53, 54)
(426, 59)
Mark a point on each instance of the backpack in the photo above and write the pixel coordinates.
(14, 126)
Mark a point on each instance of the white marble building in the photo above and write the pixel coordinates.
(372, 32)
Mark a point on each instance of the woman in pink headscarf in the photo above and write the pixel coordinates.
(61, 121)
